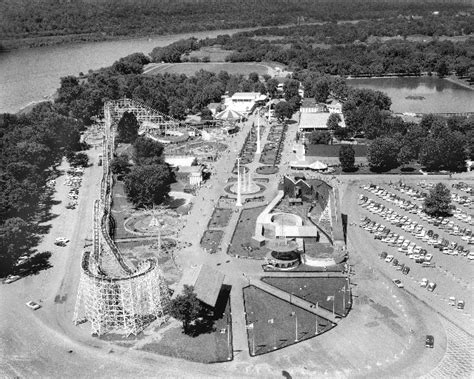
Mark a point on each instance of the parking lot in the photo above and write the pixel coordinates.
(436, 251)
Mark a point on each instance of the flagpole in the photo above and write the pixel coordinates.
(344, 300)
(253, 341)
(296, 327)
(333, 303)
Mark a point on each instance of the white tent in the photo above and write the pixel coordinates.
(305, 165)
(229, 115)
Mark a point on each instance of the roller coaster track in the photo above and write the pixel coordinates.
(112, 295)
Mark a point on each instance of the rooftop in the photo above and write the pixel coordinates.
(206, 281)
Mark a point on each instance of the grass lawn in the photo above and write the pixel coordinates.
(210, 345)
(216, 67)
(241, 240)
(333, 150)
(275, 320)
(211, 240)
(316, 290)
(220, 218)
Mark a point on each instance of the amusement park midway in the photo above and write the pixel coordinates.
(383, 335)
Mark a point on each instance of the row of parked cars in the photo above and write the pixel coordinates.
(432, 238)
(405, 246)
(458, 213)
(73, 180)
(417, 230)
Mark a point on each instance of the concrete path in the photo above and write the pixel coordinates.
(306, 305)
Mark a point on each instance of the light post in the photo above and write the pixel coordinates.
(239, 196)
(228, 339)
(316, 324)
(296, 325)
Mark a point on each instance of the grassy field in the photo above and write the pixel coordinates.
(191, 68)
(316, 290)
(211, 240)
(240, 244)
(220, 218)
(274, 322)
(211, 344)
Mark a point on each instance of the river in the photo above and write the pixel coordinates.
(28, 75)
(428, 94)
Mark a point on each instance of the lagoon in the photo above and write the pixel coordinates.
(421, 94)
(28, 75)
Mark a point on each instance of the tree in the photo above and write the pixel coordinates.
(253, 76)
(78, 159)
(177, 109)
(442, 69)
(186, 307)
(13, 236)
(438, 201)
(431, 155)
(120, 164)
(319, 137)
(347, 157)
(333, 121)
(283, 110)
(128, 128)
(272, 87)
(148, 185)
(291, 88)
(321, 88)
(147, 151)
(382, 154)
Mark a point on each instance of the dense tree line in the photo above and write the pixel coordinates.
(173, 94)
(391, 57)
(437, 143)
(445, 24)
(30, 146)
(107, 19)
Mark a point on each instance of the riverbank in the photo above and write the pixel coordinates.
(459, 81)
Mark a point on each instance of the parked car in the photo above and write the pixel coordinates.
(398, 283)
(429, 341)
(383, 255)
(405, 270)
(33, 305)
(389, 258)
(431, 286)
(424, 282)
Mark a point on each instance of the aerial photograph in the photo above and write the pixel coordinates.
(237, 189)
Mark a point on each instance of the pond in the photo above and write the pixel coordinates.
(421, 94)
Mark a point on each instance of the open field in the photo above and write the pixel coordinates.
(220, 218)
(216, 67)
(240, 244)
(277, 323)
(317, 291)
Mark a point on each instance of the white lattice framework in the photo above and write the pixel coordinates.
(148, 118)
(113, 296)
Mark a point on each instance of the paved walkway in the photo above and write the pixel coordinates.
(306, 305)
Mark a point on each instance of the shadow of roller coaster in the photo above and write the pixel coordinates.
(112, 295)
